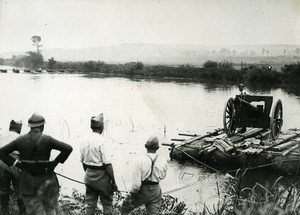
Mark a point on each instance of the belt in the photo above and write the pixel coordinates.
(95, 167)
(150, 182)
(39, 171)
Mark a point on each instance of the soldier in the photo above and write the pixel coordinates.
(148, 171)
(99, 175)
(10, 175)
(243, 92)
(38, 182)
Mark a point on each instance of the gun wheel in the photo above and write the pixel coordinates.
(276, 120)
(229, 118)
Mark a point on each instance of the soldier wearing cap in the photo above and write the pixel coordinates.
(10, 175)
(242, 90)
(38, 183)
(99, 175)
(148, 171)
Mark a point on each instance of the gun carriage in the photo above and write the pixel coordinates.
(253, 111)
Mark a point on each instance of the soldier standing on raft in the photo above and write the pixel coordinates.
(38, 182)
(10, 175)
(243, 92)
(99, 175)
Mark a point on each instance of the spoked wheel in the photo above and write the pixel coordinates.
(229, 117)
(276, 120)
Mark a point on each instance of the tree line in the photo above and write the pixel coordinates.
(210, 70)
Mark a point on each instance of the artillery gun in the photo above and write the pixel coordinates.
(253, 111)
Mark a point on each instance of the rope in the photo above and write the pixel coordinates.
(71, 179)
(79, 182)
(164, 193)
(254, 167)
(264, 165)
(216, 170)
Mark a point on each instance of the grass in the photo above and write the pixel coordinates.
(75, 204)
(236, 200)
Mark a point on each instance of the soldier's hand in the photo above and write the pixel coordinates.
(52, 164)
(114, 187)
(20, 165)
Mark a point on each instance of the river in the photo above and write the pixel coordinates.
(134, 109)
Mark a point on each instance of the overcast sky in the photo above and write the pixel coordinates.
(89, 23)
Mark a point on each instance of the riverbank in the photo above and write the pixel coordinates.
(209, 70)
(259, 199)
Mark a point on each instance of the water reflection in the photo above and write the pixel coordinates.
(265, 88)
(293, 89)
(210, 85)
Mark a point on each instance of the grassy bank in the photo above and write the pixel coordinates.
(211, 70)
(260, 199)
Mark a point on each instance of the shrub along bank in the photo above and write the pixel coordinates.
(211, 70)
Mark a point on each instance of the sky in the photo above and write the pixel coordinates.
(93, 23)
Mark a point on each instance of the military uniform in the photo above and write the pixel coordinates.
(38, 183)
(10, 175)
(99, 178)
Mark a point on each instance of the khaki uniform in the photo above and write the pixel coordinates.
(94, 156)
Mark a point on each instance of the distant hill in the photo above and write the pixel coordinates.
(171, 54)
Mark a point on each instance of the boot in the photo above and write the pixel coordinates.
(4, 204)
(22, 207)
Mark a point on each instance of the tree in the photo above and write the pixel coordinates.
(36, 42)
(34, 59)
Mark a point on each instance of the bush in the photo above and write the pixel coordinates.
(263, 74)
(291, 73)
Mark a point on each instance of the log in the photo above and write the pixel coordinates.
(167, 144)
(189, 135)
(214, 133)
(177, 139)
(282, 146)
(212, 149)
(227, 147)
(286, 152)
(246, 144)
(262, 135)
(228, 141)
(280, 141)
(247, 134)
(259, 151)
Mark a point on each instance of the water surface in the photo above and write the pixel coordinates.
(134, 109)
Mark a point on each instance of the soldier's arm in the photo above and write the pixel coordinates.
(84, 166)
(110, 172)
(5, 151)
(64, 148)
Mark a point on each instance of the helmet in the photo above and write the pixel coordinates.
(36, 120)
